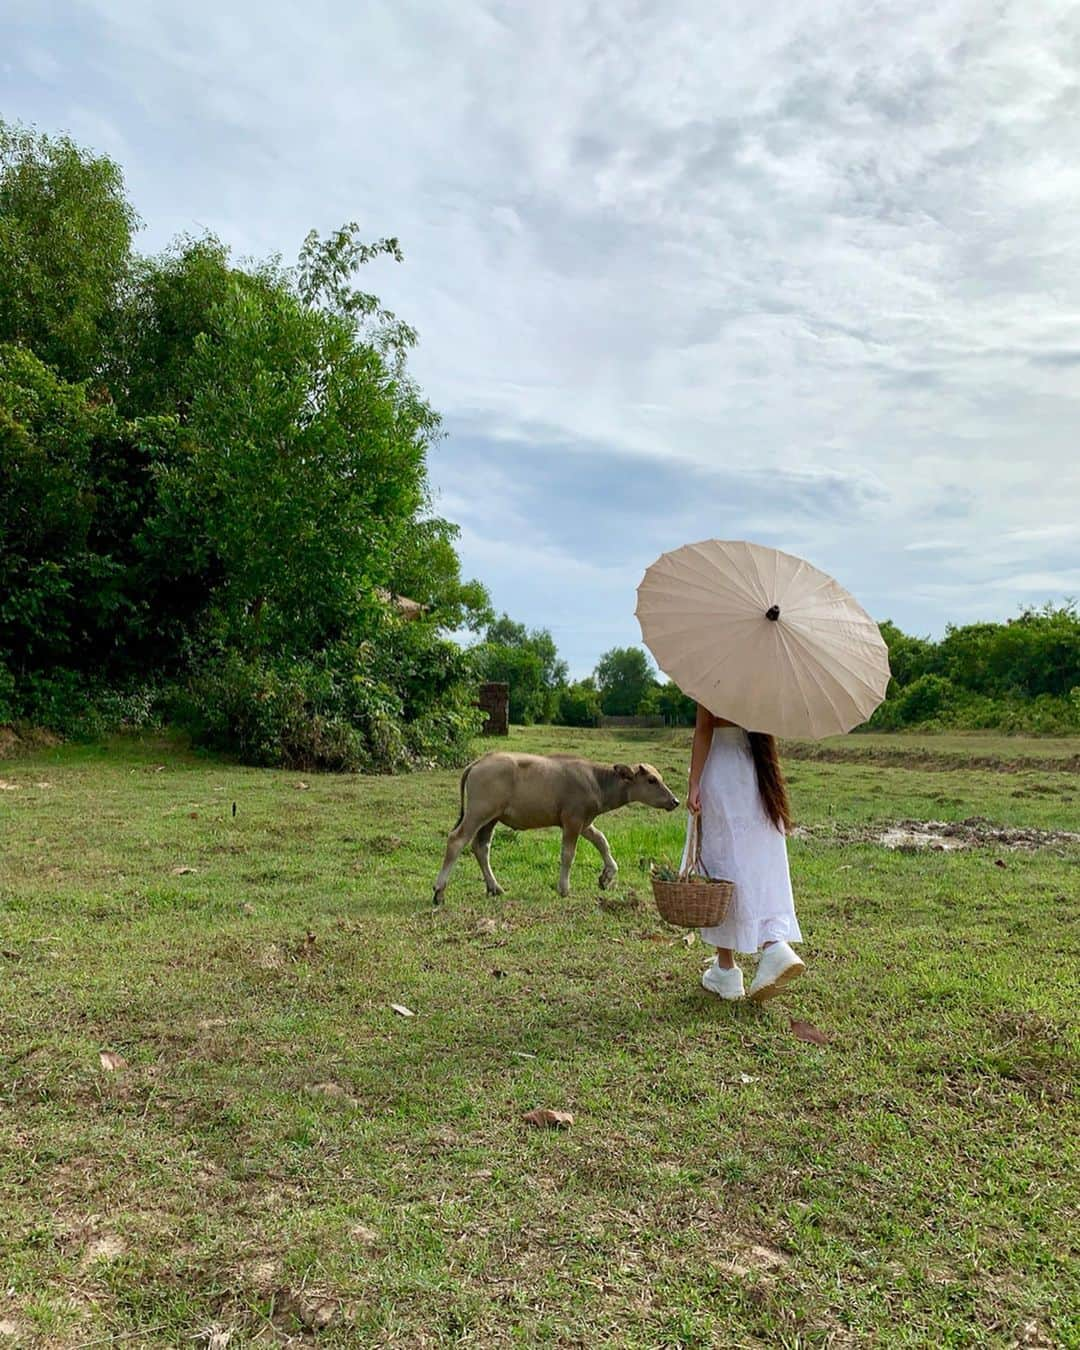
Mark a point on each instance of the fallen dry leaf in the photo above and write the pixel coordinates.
(689, 938)
(522, 1054)
(544, 1118)
(486, 927)
(182, 871)
(9, 1328)
(300, 787)
(401, 1010)
(43, 785)
(361, 1233)
(5, 786)
(111, 1061)
(217, 1338)
(248, 908)
(805, 1031)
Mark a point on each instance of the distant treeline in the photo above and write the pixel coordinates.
(1022, 675)
(623, 684)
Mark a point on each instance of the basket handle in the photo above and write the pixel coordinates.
(693, 852)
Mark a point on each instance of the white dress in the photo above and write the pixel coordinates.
(741, 844)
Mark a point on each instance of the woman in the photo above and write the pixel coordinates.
(737, 790)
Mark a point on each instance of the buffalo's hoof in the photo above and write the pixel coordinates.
(606, 878)
(436, 899)
(495, 890)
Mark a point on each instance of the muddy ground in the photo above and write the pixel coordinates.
(942, 836)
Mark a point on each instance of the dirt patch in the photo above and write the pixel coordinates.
(927, 759)
(940, 836)
(107, 1247)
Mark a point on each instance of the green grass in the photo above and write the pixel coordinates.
(914, 1183)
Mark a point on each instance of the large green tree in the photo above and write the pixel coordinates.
(215, 481)
(528, 661)
(65, 250)
(64, 522)
(624, 677)
(297, 471)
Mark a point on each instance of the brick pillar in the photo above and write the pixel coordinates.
(494, 699)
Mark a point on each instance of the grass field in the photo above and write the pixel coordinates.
(281, 1157)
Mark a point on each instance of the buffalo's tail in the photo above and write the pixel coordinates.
(464, 780)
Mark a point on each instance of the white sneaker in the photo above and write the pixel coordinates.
(778, 966)
(722, 983)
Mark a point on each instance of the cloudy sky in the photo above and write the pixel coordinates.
(797, 271)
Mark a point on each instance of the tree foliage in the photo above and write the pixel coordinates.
(65, 249)
(526, 660)
(224, 509)
(1021, 675)
(578, 704)
(624, 676)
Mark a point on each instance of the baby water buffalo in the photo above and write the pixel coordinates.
(528, 792)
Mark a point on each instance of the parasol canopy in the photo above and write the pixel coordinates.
(762, 638)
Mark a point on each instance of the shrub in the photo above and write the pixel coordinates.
(7, 695)
(925, 701)
(337, 710)
(578, 705)
(62, 702)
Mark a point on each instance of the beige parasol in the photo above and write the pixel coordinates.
(762, 638)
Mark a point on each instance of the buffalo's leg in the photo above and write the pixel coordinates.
(611, 867)
(460, 835)
(482, 848)
(569, 848)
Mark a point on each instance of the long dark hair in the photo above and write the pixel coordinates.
(770, 779)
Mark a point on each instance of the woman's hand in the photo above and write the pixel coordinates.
(693, 798)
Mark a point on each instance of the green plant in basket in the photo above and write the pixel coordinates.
(658, 869)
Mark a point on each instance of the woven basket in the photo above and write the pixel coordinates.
(694, 900)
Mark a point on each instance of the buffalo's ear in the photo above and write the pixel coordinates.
(624, 771)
